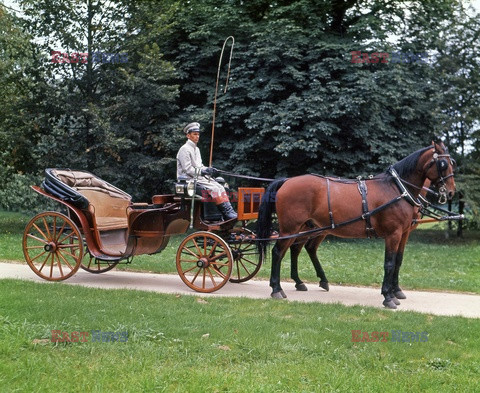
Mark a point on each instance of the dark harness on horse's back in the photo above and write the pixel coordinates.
(363, 190)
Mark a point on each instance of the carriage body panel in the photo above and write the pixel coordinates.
(105, 226)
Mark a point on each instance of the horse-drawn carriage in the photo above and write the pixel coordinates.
(102, 227)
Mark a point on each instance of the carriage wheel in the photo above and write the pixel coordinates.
(53, 246)
(94, 265)
(204, 261)
(247, 261)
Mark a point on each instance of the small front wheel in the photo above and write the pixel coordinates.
(53, 246)
(204, 261)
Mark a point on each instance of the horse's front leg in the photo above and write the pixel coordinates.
(295, 249)
(396, 290)
(278, 252)
(391, 247)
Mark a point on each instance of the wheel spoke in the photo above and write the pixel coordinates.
(45, 224)
(218, 256)
(60, 233)
(199, 252)
(211, 276)
(189, 270)
(59, 254)
(59, 264)
(64, 246)
(218, 272)
(54, 229)
(212, 251)
(65, 238)
(43, 264)
(41, 233)
(189, 260)
(239, 262)
(243, 259)
(30, 236)
(196, 275)
(35, 247)
(90, 262)
(39, 255)
(51, 266)
(191, 252)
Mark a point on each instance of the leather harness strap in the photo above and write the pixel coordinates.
(362, 189)
(330, 213)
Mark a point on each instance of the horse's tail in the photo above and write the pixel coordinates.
(267, 208)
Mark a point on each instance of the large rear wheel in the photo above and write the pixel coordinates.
(204, 261)
(53, 246)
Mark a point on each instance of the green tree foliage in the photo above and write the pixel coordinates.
(296, 102)
(108, 117)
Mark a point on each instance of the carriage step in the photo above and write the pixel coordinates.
(107, 258)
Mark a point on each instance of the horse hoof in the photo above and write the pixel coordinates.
(396, 301)
(324, 285)
(278, 295)
(301, 287)
(399, 294)
(389, 304)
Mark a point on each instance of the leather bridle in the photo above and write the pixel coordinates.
(442, 162)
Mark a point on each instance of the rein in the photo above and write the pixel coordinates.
(244, 176)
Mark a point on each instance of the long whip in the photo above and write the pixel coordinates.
(216, 90)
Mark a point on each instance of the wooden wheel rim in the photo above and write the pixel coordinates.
(246, 259)
(52, 246)
(204, 262)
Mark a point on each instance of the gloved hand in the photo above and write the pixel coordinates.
(209, 172)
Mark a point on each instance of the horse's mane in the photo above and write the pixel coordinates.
(408, 165)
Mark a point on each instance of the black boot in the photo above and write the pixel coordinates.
(227, 211)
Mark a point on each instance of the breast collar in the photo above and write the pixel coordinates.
(405, 193)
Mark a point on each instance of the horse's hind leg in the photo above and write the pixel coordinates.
(278, 252)
(295, 249)
(311, 247)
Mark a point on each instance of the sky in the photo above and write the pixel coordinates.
(11, 3)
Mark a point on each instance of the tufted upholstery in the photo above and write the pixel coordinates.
(107, 203)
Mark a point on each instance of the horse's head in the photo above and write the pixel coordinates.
(439, 169)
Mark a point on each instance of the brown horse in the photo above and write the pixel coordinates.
(382, 206)
(312, 244)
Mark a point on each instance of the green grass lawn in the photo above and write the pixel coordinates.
(431, 261)
(200, 344)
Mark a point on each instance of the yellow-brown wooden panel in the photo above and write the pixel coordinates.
(249, 199)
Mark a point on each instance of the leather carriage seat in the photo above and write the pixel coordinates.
(109, 205)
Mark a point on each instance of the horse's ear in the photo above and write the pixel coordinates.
(438, 146)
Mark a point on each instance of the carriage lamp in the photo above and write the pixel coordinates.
(184, 187)
(190, 188)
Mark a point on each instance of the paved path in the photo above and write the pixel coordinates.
(437, 303)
